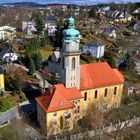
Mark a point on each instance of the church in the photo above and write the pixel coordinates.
(62, 105)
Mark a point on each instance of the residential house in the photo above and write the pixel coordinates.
(121, 17)
(62, 105)
(8, 55)
(96, 49)
(28, 27)
(128, 88)
(110, 32)
(54, 62)
(7, 33)
(51, 25)
(2, 86)
(133, 26)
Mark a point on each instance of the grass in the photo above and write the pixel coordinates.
(132, 77)
(45, 53)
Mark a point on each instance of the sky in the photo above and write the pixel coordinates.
(81, 2)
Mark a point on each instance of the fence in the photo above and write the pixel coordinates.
(92, 133)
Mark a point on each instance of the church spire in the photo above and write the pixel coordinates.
(70, 56)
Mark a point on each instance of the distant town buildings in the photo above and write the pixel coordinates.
(7, 33)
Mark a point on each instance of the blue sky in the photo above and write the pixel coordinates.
(70, 1)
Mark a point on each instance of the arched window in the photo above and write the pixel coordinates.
(85, 96)
(95, 96)
(115, 90)
(73, 63)
(61, 122)
(105, 92)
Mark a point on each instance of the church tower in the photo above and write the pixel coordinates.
(70, 56)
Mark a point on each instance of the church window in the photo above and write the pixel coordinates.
(115, 90)
(55, 114)
(61, 122)
(73, 63)
(95, 96)
(105, 92)
(85, 96)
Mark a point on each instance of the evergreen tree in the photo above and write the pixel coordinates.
(108, 56)
(38, 60)
(43, 42)
(31, 67)
(58, 34)
(35, 43)
(39, 25)
(92, 13)
(128, 63)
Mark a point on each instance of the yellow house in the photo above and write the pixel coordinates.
(62, 105)
(2, 87)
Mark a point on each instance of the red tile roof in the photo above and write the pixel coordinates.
(99, 75)
(92, 76)
(59, 99)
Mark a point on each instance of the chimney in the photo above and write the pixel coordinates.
(51, 89)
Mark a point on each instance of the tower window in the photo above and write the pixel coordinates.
(63, 63)
(115, 90)
(73, 63)
(95, 96)
(85, 96)
(105, 92)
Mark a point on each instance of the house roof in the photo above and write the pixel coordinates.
(58, 98)
(93, 44)
(6, 49)
(95, 75)
(99, 75)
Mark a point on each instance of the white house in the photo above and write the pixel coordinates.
(51, 28)
(50, 25)
(95, 49)
(7, 33)
(8, 55)
(28, 27)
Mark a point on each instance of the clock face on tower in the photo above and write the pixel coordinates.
(73, 43)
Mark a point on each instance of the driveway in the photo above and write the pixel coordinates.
(42, 83)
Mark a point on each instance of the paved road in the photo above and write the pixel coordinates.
(9, 115)
(138, 68)
(16, 112)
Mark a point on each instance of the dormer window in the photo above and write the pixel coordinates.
(61, 103)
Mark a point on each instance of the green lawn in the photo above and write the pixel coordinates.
(45, 53)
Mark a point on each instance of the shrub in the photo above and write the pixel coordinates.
(5, 104)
